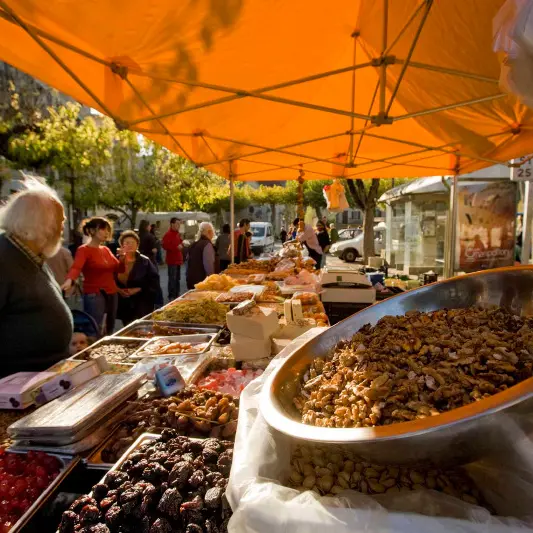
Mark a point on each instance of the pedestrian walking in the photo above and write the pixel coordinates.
(283, 235)
(201, 256)
(148, 242)
(323, 240)
(173, 245)
(222, 247)
(138, 280)
(98, 265)
(241, 253)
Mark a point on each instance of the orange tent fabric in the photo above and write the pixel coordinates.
(261, 90)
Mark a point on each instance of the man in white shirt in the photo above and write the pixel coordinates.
(309, 239)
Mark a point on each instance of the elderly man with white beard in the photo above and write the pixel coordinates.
(35, 322)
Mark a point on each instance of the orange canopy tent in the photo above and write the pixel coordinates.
(258, 90)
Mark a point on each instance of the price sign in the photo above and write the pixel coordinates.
(524, 172)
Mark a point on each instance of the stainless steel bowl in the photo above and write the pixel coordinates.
(453, 437)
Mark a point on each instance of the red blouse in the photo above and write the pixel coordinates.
(98, 266)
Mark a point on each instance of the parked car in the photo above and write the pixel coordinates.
(350, 249)
(262, 237)
(349, 233)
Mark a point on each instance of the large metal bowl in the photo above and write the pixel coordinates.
(453, 437)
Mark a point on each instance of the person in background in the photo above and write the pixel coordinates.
(60, 264)
(294, 231)
(148, 242)
(155, 230)
(283, 235)
(78, 342)
(222, 247)
(309, 239)
(333, 234)
(138, 281)
(98, 265)
(244, 246)
(35, 322)
(240, 255)
(323, 240)
(201, 256)
(173, 246)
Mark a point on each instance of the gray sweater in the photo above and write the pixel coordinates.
(35, 322)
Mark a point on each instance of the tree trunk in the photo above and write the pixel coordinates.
(75, 217)
(273, 216)
(368, 234)
(318, 213)
(133, 217)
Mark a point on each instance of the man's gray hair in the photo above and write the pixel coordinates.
(204, 227)
(29, 214)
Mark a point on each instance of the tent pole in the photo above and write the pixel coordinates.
(527, 223)
(383, 70)
(232, 211)
(449, 252)
(452, 72)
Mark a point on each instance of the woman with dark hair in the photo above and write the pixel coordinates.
(222, 247)
(138, 283)
(98, 266)
(148, 241)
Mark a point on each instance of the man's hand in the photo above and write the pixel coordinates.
(67, 287)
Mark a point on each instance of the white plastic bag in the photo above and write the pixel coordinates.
(513, 40)
(261, 504)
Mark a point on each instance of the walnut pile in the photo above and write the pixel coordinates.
(328, 470)
(415, 366)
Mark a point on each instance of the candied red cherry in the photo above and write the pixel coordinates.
(21, 485)
(31, 455)
(33, 493)
(7, 525)
(24, 505)
(41, 471)
(5, 507)
(42, 482)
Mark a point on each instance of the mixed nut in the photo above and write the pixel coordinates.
(330, 469)
(113, 351)
(415, 366)
(173, 484)
(191, 412)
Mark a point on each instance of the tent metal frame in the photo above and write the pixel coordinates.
(382, 118)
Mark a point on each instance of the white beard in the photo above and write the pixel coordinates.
(51, 249)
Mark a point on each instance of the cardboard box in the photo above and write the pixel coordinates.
(259, 325)
(279, 344)
(247, 349)
(18, 391)
(293, 330)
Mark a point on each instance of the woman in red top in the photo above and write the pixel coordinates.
(98, 266)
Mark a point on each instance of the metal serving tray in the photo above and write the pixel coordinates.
(207, 338)
(85, 355)
(456, 436)
(140, 326)
(68, 465)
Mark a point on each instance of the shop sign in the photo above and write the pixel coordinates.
(524, 172)
(486, 219)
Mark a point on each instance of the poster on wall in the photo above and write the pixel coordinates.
(486, 219)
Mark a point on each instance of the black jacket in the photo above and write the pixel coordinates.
(148, 242)
(195, 266)
(144, 275)
(35, 322)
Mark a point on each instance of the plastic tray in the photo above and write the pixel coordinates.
(85, 355)
(206, 338)
(145, 326)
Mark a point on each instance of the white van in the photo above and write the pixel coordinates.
(262, 237)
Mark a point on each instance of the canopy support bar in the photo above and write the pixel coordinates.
(451, 106)
(147, 105)
(405, 28)
(232, 211)
(55, 57)
(452, 72)
(237, 93)
(383, 68)
(428, 3)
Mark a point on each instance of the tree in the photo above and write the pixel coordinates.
(314, 195)
(74, 149)
(364, 195)
(273, 196)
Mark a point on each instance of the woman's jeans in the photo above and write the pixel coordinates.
(99, 305)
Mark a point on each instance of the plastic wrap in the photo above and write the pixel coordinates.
(513, 40)
(261, 504)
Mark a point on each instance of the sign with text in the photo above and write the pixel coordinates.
(524, 172)
(486, 219)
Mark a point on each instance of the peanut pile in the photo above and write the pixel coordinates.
(328, 470)
(415, 366)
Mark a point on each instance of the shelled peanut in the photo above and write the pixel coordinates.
(328, 470)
